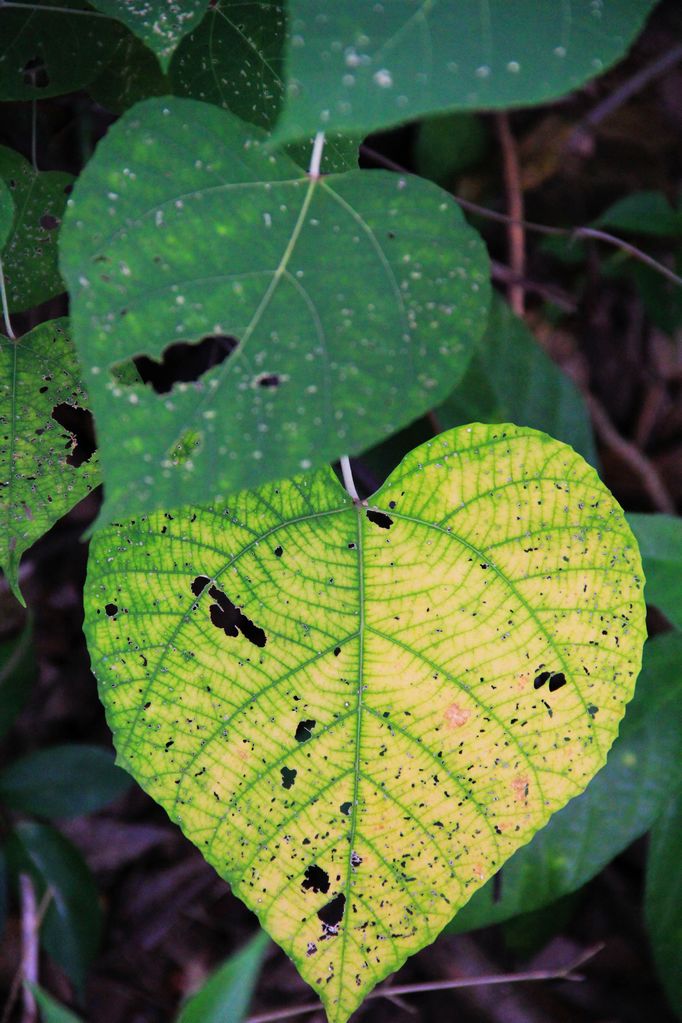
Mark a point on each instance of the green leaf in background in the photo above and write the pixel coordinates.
(17, 672)
(6, 213)
(73, 922)
(132, 74)
(409, 688)
(46, 52)
(50, 1010)
(511, 379)
(349, 321)
(660, 541)
(159, 24)
(643, 213)
(234, 59)
(226, 995)
(29, 256)
(39, 458)
(63, 781)
(583, 837)
(358, 66)
(449, 144)
(663, 899)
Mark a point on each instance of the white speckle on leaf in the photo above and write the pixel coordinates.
(383, 78)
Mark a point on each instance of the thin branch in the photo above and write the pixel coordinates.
(632, 456)
(29, 946)
(515, 229)
(34, 134)
(623, 93)
(566, 972)
(547, 229)
(550, 292)
(51, 10)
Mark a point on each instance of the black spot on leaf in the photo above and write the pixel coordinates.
(288, 777)
(380, 519)
(541, 679)
(316, 880)
(592, 710)
(269, 380)
(79, 423)
(279, 551)
(304, 730)
(337, 651)
(346, 808)
(226, 616)
(48, 222)
(183, 362)
(111, 610)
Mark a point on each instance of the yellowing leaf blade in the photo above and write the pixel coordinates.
(356, 713)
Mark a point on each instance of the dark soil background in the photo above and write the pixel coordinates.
(169, 919)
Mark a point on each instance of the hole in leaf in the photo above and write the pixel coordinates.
(316, 880)
(35, 73)
(226, 616)
(541, 679)
(269, 380)
(304, 730)
(79, 423)
(288, 777)
(331, 915)
(557, 681)
(345, 808)
(183, 362)
(199, 584)
(111, 610)
(279, 551)
(379, 518)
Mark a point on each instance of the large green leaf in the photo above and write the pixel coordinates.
(234, 59)
(73, 922)
(582, 839)
(29, 255)
(359, 66)
(46, 52)
(643, 213)
(660, 540)
(63, 781)
(39, 483)
(132, 74)
(225, 996)
(160, 24)
(511, 379)
(358, 714)
(663, 904)
(350, 320)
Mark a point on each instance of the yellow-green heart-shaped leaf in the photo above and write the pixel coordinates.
(358, 713)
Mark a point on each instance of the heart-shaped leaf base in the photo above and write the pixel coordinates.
(358, 713)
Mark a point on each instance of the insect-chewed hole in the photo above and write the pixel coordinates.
(315, 880)
(79, 423)
(227, 616)
(304, 730)
(332, 914)
(379, 518)
(268, 380)
(288, 777)
(183, 362)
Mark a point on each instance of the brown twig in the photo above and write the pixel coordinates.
(515, 229)
(546, 229)
(632, 456)
(622, 94)
(566, 972)
(557, 296)
(29, 946)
